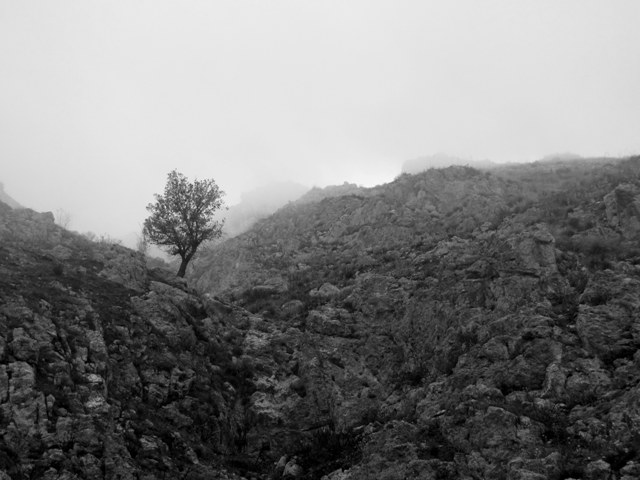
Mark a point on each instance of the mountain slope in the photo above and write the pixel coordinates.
(451, 324)
(410, 210)
(108, 370)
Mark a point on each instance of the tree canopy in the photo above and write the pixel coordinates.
(182, 218)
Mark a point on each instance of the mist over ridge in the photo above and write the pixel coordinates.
(4, 197)
(257, 203)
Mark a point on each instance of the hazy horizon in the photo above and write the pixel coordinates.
(100, 100)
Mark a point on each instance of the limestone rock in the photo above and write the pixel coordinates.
(326, 290)
(623, 208)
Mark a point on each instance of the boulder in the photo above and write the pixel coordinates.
(623, 209)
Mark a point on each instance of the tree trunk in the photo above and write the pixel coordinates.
(183, 267)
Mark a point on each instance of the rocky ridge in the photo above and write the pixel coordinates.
(452, 324)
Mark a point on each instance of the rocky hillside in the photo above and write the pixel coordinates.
(109, 370)
(455, 324)
(452, 324)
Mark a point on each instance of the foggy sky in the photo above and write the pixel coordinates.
(100, 100)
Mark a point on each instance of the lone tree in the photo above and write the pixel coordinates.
(182, 218)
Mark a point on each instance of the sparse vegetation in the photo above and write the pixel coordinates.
(63, 218)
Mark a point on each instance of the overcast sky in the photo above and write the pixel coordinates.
(99, 100)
